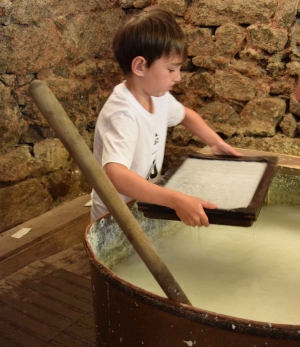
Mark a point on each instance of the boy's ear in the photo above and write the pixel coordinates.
(138, 65)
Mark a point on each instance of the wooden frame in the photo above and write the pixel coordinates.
(239, 216)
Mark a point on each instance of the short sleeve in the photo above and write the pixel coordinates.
(176, 111)
(119, 140)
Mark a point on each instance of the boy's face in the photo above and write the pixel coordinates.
(161, 76)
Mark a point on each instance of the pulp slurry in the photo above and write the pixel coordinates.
(250, 273)
(229, 184)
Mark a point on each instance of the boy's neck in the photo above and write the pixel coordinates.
(143, 98)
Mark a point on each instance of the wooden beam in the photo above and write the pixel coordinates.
(284, 160)
(50, 233)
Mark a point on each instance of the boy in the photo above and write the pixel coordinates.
(131, 129)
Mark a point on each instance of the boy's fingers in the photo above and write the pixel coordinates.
(209, 205)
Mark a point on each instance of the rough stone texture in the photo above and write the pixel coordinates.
(178, 7)
(261, 116)
(294, 105)
(12, 125)
(282, 86)
(8, 80)
(221, 117)
(50, 155)
(203, 84)
(200, 41)
(232, 85)
(229, 39)
(22, 202)
(65, 184)
(211, 62)
(55, 40)
(216, 13)
(241, 74)
(295, 41)
(276, 144)
(285, 13)
(181, 135)
(293, 68)
(268, 38)
(288, 125)
(5, 12)
(16, 164)
(249, 69)
(134, 3)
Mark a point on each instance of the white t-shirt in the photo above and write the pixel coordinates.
(127, 134)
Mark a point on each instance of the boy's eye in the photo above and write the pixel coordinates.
(171, 70)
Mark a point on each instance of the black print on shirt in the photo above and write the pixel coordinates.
(153, 169)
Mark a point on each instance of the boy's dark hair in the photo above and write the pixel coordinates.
(152, 34)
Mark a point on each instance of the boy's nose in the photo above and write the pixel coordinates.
(177, 76)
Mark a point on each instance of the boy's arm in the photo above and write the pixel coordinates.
(297, 94)
(194, 123)
(188, 208)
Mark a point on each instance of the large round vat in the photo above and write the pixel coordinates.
(126, 315)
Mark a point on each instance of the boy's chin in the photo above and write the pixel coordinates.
(160, 94)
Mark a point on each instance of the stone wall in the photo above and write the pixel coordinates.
(244, 58)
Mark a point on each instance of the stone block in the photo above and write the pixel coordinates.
(50, 155)
(261, 116)
(5, 12)
(21, 202)
(199, 41)
(12, 124)
(178, 7)
(288, 125)
(233, 85)
(218, 12)
(267, 38)
(221, 117)
(294, 105)
(229, 39)
(16, 164)
(285, 13)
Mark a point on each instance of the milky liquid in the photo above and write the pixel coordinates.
(251, 273)
(229, 184)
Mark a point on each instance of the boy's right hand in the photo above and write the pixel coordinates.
(190, 210)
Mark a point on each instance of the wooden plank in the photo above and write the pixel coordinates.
(73, 289)
(73, 278)
(88, 319)
(284, 160)
(47, 291)
(54, 232)
(14, 334)
(7, 343)
(67, 257)
(43, 267)
(59, 309)
(80, 268)
(58, 295)
(66, 339)
(42, 314)
(44, 225)
(82, 332)
(27, 324)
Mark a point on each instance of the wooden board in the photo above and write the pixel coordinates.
(51, 232)
(284, 160)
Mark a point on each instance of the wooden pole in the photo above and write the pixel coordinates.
(74, 143)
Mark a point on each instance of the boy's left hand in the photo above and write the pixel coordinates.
(224, 148)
